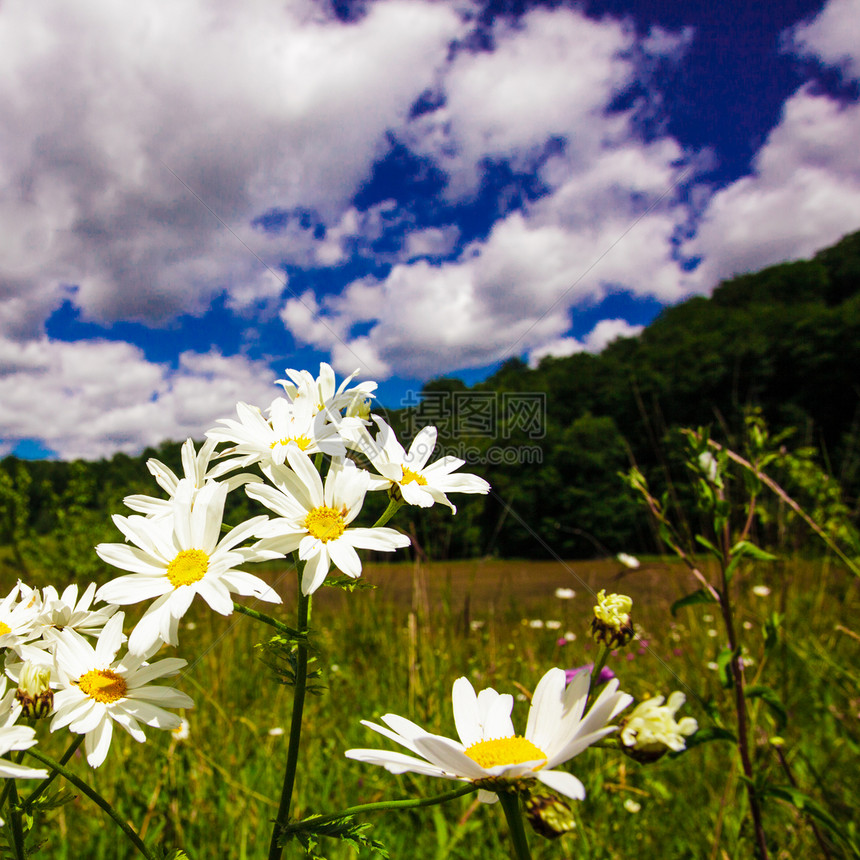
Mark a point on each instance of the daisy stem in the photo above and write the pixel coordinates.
(510, 802)
(42, 787)
(267, 619)
(394, 505)
(96, 798)
(15, 819)
(381, 806)
(304, 610)
(599, 663)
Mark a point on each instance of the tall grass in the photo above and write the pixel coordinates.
(398, 649)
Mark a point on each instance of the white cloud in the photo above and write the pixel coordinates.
(552, 74)
(90, 399)
(804, 190)
(608, 220)
(597, 340)
(115, 117)
(833, 36)
(561, 347)
(431, 242)
(803, 195)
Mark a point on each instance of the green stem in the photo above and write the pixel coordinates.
(96, 798)
(599, 663)
(304, 609)
(17, 827)
(42, 787)
(267, 619)
(394, 505)
(511, 804)
(381, 806)
(741, 712)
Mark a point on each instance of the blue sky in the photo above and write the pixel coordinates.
(199, 195)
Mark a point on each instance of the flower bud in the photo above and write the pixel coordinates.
(548, 814)
(611, 624)
(34, 691)
(650, 731)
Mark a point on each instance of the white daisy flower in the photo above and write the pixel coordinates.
(489, 752)
(315, 519)
(62, 612)
(196, 470)
(179, 556)
(14, 737)
(97, 690)
(265, 441)
(321, 392)
(18, 615)
(651, 729)
(628, 560)
(418, 483)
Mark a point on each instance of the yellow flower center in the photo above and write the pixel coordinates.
(302, 441)
(4, 628)
(409, 475)
(498, 751)
(189, 566)
(325, 523)
(103, 685)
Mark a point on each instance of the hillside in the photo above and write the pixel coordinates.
(785, 340)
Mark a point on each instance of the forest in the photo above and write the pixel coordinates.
(776, 352)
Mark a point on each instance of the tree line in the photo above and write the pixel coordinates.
(777, 350)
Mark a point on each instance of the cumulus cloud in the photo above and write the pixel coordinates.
(832, 36)
(596, 340)
(139, 143)
(538, 100)
(804, 191)
(549, 75)
(92, 398)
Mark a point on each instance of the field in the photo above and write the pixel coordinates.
(398, 648)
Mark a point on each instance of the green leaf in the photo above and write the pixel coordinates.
(771, 631)
(309, 831)
(724, 660)
(810, 806)
(700, 596)
(770, 698)
(750, 550)
(348, 583)
(708, 546)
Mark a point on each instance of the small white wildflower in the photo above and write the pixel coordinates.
(651, 729)
(183, 731)
(632, 806)
(628, 560)
(761, 590)
(553, 624)
(565, 593)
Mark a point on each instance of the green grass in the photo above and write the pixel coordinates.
(399, 648)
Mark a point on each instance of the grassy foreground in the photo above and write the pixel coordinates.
(399, 647)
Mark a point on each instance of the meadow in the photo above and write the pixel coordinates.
(398, 647)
